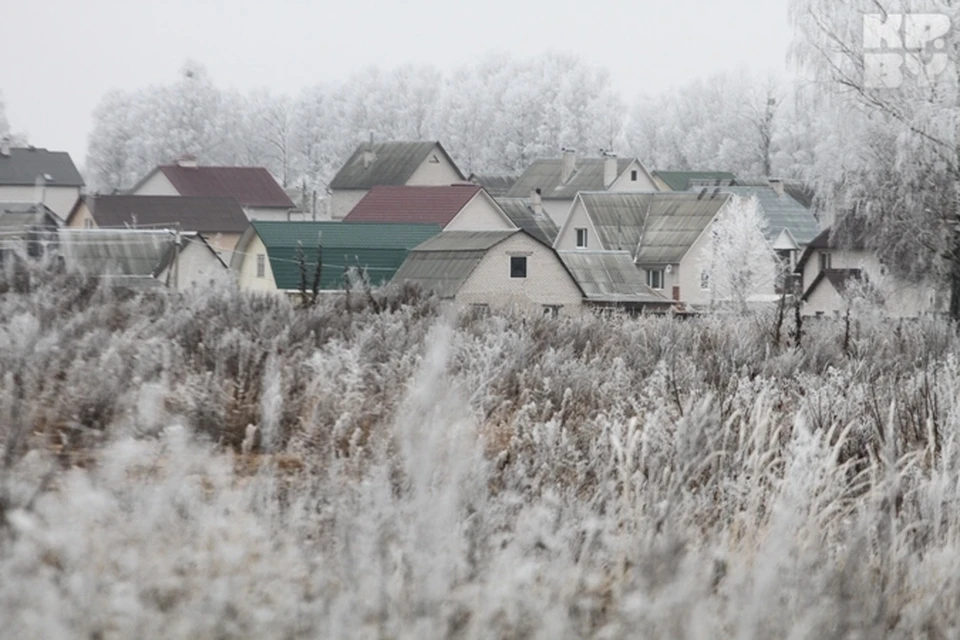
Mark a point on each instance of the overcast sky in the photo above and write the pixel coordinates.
(58, 57)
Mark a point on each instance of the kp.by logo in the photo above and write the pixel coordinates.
(894, 40)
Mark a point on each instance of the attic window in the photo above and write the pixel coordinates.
(634, 175)
(825, 261)
(434, 159)
(581, 238)
(261, 266)
(518, 266)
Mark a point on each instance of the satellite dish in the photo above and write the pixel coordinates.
(669, 268)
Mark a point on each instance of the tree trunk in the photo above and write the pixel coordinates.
(955, 277)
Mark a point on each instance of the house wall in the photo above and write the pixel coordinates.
(480, 214)
(342, 202)
(643, 183)
(824, 300)
(79, 221)
(223, 244)
(557, 209)
(197, 266)
(264, 213)
(60, 200)
(434, 174)
(547, 281)
(688, 275)
(157, 185)
(247, 276)
(567, 239)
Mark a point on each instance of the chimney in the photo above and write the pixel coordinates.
(609, 169)
(536, 203)
(368, 155)
(777, 185)
(569, 165)
(187, 161)
(5, 147)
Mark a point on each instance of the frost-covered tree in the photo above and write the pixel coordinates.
(5, 131)
(887, 71)
(738, 262)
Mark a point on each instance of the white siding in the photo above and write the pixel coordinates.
(60, 200)
(642, 183)
(824, 300)
(248, 268)
(198, 266)
(688, 275)
(343, 201)
(79, 221)
(434, 171)
(557, 209)
(480, 214)
(157, 185)
(547, 281)
(567, 239)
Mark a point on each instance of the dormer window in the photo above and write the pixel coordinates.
(634, 175)
(581, 238)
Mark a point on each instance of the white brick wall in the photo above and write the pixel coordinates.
(547, 281)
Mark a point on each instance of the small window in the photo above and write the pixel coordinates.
(825, 262)
(581, 238)
(88, 223)
(634, 175)
(704, 280)
(552, 310)
(434, 159)
(518, 266)
(655, 279)
(261, 265)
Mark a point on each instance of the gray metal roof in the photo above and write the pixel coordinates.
(610, 276)
(496, 185)
(545, 174)
(781, 212)
(659, 226)
(128, 252)
(443, 263)
(26, 214)
(540, 226)
(25, 164)
(393, 164)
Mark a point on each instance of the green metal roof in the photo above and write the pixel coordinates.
(379, 248)
(680, 180)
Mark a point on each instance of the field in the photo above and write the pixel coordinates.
(221, 465)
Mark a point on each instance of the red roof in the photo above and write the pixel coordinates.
(250, 186)
(427, 205)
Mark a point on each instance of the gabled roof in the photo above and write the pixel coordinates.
(380, 248)
(839, 278)
(25, 214)
(781, 212)
(25, 164)
(680, 180)
(852, 237)
(496, 185)
(539, 225)
(206, 215)
(657, 226)
(546, 174)
(413, 205)
(250, 186)
(611, 276)
(187, 240)
(393, 163)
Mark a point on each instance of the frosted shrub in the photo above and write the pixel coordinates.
(222, 464)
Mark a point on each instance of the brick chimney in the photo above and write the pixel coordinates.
(609, 169)
(569, 165)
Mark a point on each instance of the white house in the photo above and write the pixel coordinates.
(394, 163)
(507, 269)
(31, 174)
(831, 269)
(252, 187)
(554, 183)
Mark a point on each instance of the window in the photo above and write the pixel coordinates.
(634, 175)
(704, 280)
(261, 265)
(88, 223)
(480, 309)
(581, 238)
(655, 278)
(518, 266)
(552, 310)
(824, 261)
(434, 159)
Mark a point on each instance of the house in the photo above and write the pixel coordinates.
(266, 258)
(496, 185)
(684, 180)
(790, 225)
(464, 206)
(31, 174)
(505, 269)
(220, 220)
(830, 266)
(530, 217)
(393, 164)
(252, 187)
(554, 183)
(610, 280)
(28, 228)
(141, 257)
(664, 232)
